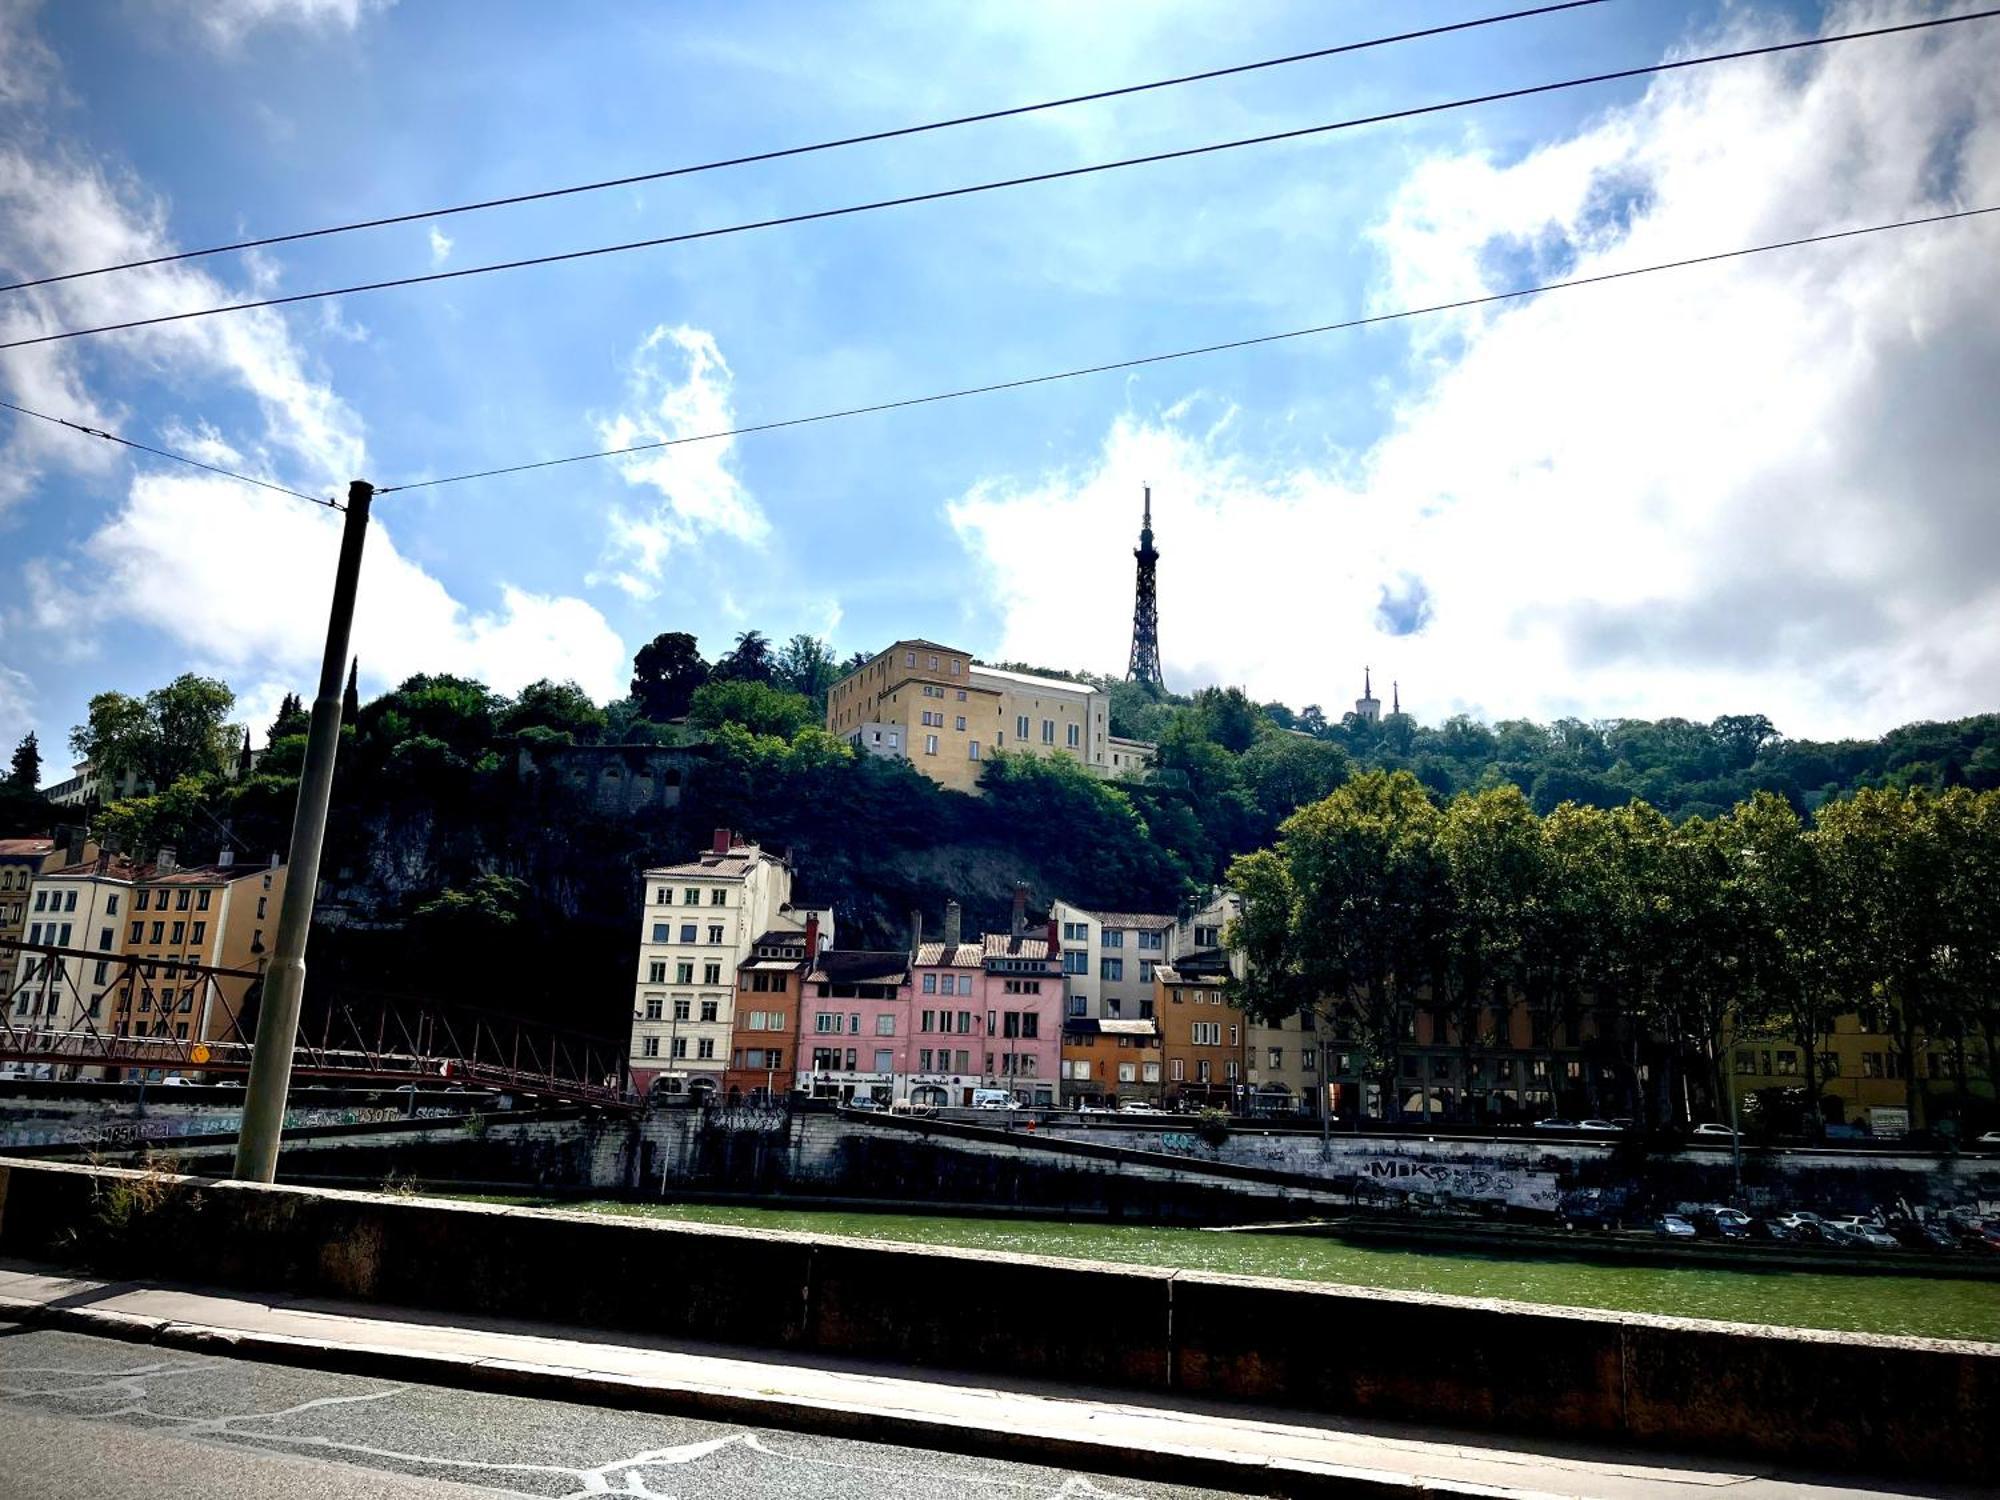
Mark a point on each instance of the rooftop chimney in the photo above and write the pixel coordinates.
(1018, 925)
(916, 930)
(1055, 941)
(721, 841)
(812, 937)
(954, 924)
(226, 858)
(165, 862)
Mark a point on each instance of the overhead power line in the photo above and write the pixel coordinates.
(1247, 343)
(782, 153)
(1011, 182)
(179, 458)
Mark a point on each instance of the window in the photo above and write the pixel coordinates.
(662, 933)
(711, 973)
(1048, 731)
(827, 1023)
(1111, 968)
(930, 663)
(691, 896)
(159, 932)
(1076, 961)
(930, 744)
(965, 984)
(971, 749)
(1075, 735)
(1746, 1060)
(684, 971)
(1788, 1063)
(111, 905)
(1076, 932)
(1020, 726)
(1206, 937)
(1114, 937)
(1277, 1057)
(708, 1010)
(199, 935)
(1829, 1065)
(965, 1023)
(69, 901)
(105, 938)
(180, 932)
(1152, 942)
(885, 1060)
(885, 1024)
(1174, 1070)
(680, 1047)
(138, 900)
(1308, 1060)
(180, 900)
(930, 988)
(201, 900)
(663, 897)
(688, 930)
(683, 1004)
(909, 658)
(705, 1047)
(1146, 967)
(715, 932)
(650, 1047)
(959, 724)
(718, 896)
(655, 1004)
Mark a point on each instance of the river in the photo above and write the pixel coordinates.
(1889, 1303)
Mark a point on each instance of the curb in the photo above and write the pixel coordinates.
(1172, 1464)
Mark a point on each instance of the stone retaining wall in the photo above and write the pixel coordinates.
(1821, 1400)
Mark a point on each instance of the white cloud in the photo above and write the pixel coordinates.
(440, 246)
(17, 701)
(240, 578)
(678, 385)
(1765, 485)
(226, 23)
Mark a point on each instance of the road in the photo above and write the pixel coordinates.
(98, 1417)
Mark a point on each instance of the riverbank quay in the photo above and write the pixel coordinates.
(1897, 1406)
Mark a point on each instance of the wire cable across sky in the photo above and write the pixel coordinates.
(179, 458)
(1301, 132)
(781, 153)
(1246, 343)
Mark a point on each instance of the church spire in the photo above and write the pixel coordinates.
(350, 701)
(1395, 697)
(243, 761)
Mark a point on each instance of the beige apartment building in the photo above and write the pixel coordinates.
(701, 920)
(21, 860)
(183, 919)
(81, 906)
(933, 706)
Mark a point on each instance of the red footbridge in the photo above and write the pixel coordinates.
(74, 1013)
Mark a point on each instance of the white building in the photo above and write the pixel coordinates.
(76, 906)
(699, 921)
(1108, 961)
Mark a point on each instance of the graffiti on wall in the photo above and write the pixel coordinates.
(133, 1131)
(1465, 1183)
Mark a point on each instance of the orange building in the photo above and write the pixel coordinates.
(764, 1039)
(1111, 1062)
(1203, 1037)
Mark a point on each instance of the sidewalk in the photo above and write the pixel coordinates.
(1230, 1447)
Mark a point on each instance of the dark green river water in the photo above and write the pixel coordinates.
(1888, 1303)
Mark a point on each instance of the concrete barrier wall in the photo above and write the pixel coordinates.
(1824, 1401)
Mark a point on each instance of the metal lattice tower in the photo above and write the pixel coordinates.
(1145, 665)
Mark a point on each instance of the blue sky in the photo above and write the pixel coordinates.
(1657, 500)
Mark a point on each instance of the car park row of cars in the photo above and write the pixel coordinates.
(1873, 1231)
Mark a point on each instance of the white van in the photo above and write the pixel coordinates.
(993, 1099)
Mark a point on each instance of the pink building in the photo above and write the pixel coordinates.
(854, 1026)
(948, 1004)
(987, 1015)
(1024, 1000)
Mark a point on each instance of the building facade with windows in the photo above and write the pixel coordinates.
(1024, 1006)
(1108, 961)
(763, 1047)
(84, 906)
(86, 784)
(1204, 1038)
(932, 705)
(854, 1026)
(1108, 1063)
(21, 860)
(183, 919)
(699, 922)
(948, 1013)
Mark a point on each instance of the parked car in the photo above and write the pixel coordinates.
(1711, 1129)
(1674, 1227)
(175, 1081)
(994, 1099)
(1136, 1107)
(864, 1102)
(1607, 1126)
(1775, 1230)
(1876, 1238)
(1989, 1141)
(1723, 1223)
(1839, 1235)
(1553, 1123)
(1915, 1236)
(1800, 1225)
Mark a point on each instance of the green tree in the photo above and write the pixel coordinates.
(26, 773)
(1284, 772)
(756, 706)
(175, 731)
(665, 673)
(560, 707)
(750, 660)
(292, 719)
(806, 666)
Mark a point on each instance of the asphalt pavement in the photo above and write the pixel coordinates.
(86, 1416)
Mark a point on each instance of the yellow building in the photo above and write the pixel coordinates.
(933, 706)
(222, 915)
(1859, 1068)
(21, 860)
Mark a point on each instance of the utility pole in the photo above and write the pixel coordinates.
(285, 981)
